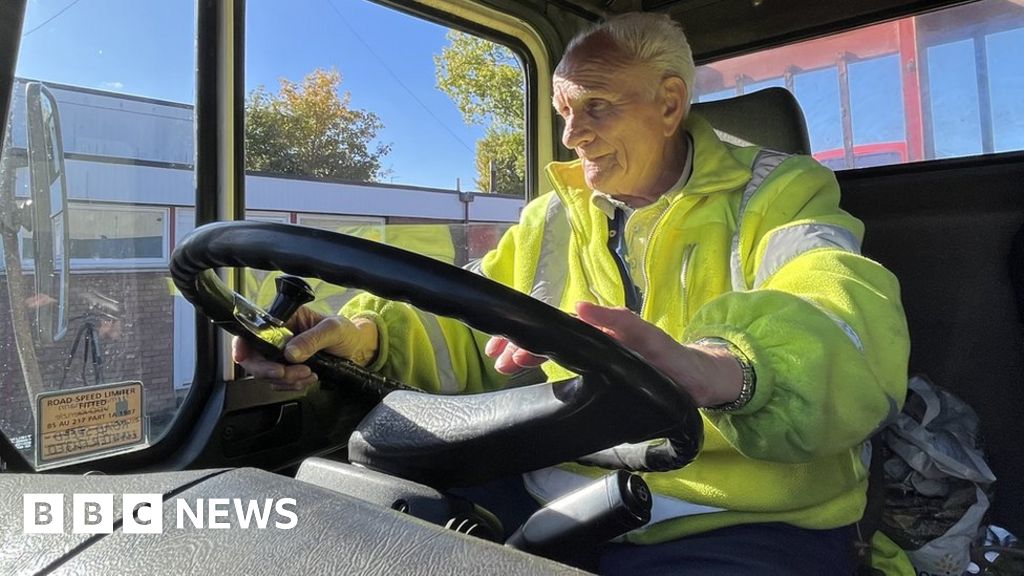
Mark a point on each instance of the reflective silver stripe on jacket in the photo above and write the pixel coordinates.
(787, 243)
(846, 328)
(765, 163)
(552, 265)
(442, 358)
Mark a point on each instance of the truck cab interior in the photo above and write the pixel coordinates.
(917, 106)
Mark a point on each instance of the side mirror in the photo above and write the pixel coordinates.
(51, 240)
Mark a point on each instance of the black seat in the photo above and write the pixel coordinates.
(770, 118)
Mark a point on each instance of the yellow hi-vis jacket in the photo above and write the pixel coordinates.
(754, 250)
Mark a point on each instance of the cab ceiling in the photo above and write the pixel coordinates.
(718, 28)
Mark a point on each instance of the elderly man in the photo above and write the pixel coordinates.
(731, 269)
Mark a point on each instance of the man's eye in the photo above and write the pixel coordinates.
(597, 106)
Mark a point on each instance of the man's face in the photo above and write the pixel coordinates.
(614, 116)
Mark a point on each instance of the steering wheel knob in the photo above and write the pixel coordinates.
(292, 293)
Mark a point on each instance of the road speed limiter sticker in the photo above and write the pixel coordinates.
(73, 423)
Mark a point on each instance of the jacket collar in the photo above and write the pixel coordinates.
(715, 169)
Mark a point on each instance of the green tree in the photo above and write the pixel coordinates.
(310, 129)
(486, 82)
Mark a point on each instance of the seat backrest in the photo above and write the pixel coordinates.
(770, 118)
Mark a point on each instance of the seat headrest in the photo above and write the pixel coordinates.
(770, 118)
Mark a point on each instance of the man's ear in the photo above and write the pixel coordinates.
(674, 97)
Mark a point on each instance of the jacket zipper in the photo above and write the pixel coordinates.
(647, 250)
(687, 253)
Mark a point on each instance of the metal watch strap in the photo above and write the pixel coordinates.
(746, 367)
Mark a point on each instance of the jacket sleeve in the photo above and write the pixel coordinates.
(437, 354)
(822, 325)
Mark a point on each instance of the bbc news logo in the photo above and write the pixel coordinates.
(144, 514)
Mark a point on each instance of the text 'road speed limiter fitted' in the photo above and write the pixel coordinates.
(89, 420)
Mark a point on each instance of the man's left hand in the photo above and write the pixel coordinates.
(709, 374)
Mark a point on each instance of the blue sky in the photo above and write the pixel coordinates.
(145, 47)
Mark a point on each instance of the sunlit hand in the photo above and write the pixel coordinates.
(709, 374)
(509, 358)
(356, 340)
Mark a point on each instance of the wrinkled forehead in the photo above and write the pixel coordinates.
(598, 48)
(597, 65)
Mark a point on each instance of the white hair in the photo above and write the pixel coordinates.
(653, 40)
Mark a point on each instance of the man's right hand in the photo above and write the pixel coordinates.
(356, 340)
(509, 358)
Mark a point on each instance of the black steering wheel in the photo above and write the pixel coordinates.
(607, 416)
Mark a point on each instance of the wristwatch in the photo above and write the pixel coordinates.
(746, 367)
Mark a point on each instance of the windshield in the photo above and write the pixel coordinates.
(97, 347)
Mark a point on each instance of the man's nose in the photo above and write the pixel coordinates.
(577, 132)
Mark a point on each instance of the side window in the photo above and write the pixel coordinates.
(384, 125)
(876, 100)
(97, 163)
(1006, 88)
(943, 84)
(955, 104)
(818, 93)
